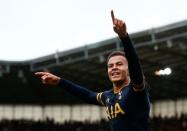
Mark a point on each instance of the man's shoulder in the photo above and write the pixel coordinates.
(108, 91)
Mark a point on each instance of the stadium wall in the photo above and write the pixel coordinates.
(92, 113)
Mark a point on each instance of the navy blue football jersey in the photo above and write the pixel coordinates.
(127, 110)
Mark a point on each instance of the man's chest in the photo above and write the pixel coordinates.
(115, 105)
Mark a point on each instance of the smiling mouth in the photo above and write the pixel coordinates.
(115, 74)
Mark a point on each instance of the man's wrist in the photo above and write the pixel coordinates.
(124, 35)
(59, 81)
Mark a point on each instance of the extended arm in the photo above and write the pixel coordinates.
(134, 66)
(83, 93)
(135, 70)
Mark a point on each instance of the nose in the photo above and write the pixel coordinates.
(114, 67)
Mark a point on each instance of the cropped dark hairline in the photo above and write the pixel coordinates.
(115, 53)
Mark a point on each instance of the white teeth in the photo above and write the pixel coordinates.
(115, 73)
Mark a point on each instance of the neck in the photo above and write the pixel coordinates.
(117, 86)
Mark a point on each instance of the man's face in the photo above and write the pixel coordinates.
(117, 69)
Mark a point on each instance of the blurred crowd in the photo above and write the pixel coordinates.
(50, 125)
(157, 124)
(169, 124)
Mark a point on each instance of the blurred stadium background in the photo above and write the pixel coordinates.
(26, 104)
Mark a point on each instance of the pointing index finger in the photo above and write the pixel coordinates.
(112, 15)
(40, 73)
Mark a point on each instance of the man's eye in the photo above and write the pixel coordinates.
(109, 66)
(119, 63)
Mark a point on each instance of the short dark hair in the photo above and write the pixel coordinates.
(115, 53)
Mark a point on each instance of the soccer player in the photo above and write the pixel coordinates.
(127, 103)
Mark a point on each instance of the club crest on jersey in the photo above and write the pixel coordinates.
(114, 110)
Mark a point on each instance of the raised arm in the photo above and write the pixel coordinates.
(83, 93)
(134, 66)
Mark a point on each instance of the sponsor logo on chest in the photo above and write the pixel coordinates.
(113, 111)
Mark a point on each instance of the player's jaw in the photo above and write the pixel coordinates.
(117, 69)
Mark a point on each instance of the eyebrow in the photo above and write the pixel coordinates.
(115, 63)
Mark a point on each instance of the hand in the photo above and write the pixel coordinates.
(119, 26)
(48, 78)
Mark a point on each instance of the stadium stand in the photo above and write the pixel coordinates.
(157, 124)
(22, 96)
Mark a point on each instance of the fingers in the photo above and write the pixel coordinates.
(43, 75)
(113, 17)
(116, 22)
(120, 23)
(40, 74)
(44, 79)
(48, 78)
